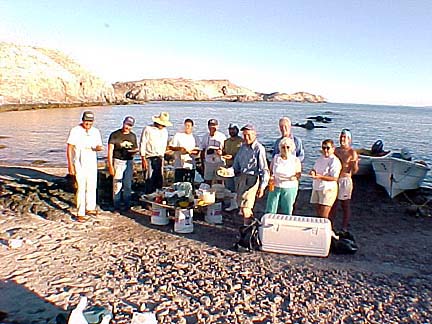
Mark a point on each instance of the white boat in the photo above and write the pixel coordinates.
(365, 161)
(396, 174)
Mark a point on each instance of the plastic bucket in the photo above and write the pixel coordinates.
(214, 213)
(183, 221)
(159, 215)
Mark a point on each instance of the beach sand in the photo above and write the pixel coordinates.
(126, 264)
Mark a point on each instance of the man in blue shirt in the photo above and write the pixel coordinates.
(285, 129)
(250, 164)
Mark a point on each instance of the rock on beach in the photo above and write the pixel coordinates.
(122, 262)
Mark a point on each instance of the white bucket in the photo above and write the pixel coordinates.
(183, 221)
(214, 214)
(208, 196)
(159, 215)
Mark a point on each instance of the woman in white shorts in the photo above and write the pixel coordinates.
(325, 174)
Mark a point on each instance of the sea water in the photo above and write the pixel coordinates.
(39, 136)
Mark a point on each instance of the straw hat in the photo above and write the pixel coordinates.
(162, 119)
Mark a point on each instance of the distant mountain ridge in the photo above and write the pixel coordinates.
(181, 89)
(33, 76)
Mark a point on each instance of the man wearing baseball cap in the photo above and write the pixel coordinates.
(122, 145)
(250, 164)
(212, 144)
(83, 142)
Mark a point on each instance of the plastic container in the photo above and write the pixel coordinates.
(183, 221)
(208, 196)
(159, 215)
(214, 214)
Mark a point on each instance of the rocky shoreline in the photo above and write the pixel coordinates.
(124, 263)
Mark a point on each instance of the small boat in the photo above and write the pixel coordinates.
(365, 161)
(397, 173)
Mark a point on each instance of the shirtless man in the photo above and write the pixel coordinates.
(349, 159)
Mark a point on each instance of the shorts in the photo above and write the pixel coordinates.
(324, 197)
(247, 188)
(345, 188)
(210, 170)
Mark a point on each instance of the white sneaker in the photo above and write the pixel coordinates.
(233, 203)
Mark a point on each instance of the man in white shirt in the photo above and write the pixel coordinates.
(185, 145)
(212, 144)
(83, 142)
(153, 144)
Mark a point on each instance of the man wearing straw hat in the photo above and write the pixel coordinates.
(153, 144)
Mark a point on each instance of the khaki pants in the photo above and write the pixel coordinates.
(247, 188)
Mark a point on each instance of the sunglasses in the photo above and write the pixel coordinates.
(285, 147)
(326, 147)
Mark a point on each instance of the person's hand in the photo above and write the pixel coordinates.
(98, 148)
(71, 170)
(219, 152)
(227, 156)
(144, 164)
(313, 173)
(111, 170)
(194, 151)
(260, 193)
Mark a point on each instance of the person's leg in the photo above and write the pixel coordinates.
(333, 211)
(149, 187)
(81, 192)
(158, 172)
(127, 183)
(91, 187)
(346, 208)
(249, 191)
(273, 201)
(325, 211)
(119, 170)
(287, 200)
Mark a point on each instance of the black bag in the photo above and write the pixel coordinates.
(344, 245)
(249, 239)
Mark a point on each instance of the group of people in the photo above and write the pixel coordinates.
(244, 154)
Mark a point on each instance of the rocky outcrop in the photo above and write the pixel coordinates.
(296, 97)
(33, 75)
(182, 90)
(200, 90)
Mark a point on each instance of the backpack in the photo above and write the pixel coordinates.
(344, 244)
(248, 239)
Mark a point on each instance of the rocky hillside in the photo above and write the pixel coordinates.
(32, 75)
(182, 90)
(199, 90)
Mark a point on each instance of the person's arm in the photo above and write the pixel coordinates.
(300, 153)
(143, 142)
(263, 170)
(354, 163)
(110, 159)
(69, 154)
(99, 146)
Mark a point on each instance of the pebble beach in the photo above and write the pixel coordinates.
(124, 263)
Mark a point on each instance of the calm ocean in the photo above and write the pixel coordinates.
(40, 135)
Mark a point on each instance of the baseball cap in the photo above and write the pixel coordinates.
(88, 116)
(232, 125)
(248, 127)
(212, 122)
(129, 120)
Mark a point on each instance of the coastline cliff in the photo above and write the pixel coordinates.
(36, 76)
(33, 77)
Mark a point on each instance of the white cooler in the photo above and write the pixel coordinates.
(295, 234)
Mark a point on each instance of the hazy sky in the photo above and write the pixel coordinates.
(348, 51)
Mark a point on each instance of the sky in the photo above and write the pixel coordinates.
(349, 51)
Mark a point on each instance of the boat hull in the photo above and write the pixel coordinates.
(365, 162)
(397, 175)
